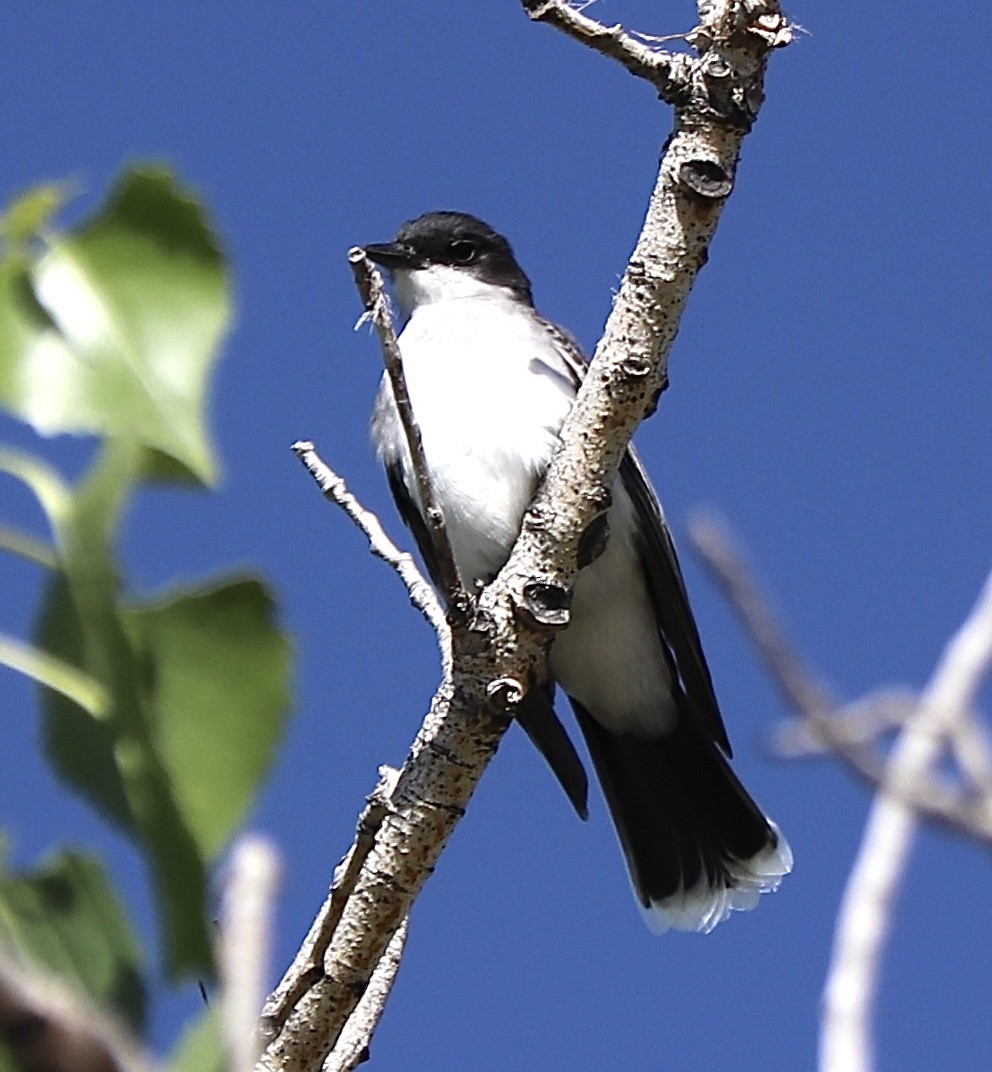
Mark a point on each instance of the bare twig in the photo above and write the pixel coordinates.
(308, 964)
(668, 71)
(352, 1048)
(243, 947)
(850, 734)
(973, 752)
(421, 593)
(800, 689)
(47, 1028)
(725, 26)
(866, 911)
(370, 286)
(858, 724)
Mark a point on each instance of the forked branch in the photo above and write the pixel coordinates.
(499, 648)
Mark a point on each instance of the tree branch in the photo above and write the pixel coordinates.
(501, 649)
(336, 491)
(670, 72)
(846, 1043)
(243, 946)
(850, 734)
(352, 1048)
(308, 965)
(908, 782)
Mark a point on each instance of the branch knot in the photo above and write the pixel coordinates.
(706, 180)
(546, 603)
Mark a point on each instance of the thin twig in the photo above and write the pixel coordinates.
(858, 724)
(309, 961)
(370, 286)
(850, 735)
(973, 753)
(669, 72)
(800, 689)
(422, 595)
(244, 946)
(846, 1043)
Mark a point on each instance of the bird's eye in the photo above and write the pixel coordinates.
(462, 251)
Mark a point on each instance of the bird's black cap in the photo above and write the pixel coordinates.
(457, 240)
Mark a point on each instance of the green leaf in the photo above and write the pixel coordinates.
(199, 681)
(113, 763)
(201, 1048)
(220, 670)
(65, 917)
(80, 624)
(80, 747)
(115, 330)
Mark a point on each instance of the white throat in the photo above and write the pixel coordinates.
(441, 283)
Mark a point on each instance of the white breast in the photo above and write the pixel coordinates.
(489, 411)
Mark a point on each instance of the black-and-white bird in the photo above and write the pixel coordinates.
(491, 382)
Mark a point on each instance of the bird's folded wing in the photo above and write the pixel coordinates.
(671, 603)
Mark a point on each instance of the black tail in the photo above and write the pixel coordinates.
(697, 845)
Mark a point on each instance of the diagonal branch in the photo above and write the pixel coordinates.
(500, 649)
(846, 1043)
(850, 734)
(336, 491)
(352, 1048)
(308, 964)
(724, 560)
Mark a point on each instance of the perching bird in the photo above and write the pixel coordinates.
(491, 382)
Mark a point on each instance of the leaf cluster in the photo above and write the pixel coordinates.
(162, 711)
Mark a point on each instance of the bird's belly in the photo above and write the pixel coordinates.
(610, 658)
(483, 496)
(488, 443)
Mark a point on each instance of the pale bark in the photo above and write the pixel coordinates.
(846, 1043)
(913, 782)
(499, 649)
(243, 946)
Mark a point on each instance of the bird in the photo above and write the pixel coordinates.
(490, 382)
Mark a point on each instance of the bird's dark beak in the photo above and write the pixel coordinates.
(393, 255)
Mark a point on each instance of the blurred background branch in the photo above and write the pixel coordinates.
(939, 767)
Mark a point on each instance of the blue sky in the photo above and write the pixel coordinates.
(831, 397)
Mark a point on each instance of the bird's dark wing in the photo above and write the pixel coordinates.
(535, 712)
(537, 717)
(671, 603)
(664, 575)
(412, 518)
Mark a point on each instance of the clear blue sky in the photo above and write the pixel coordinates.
(831, 396)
